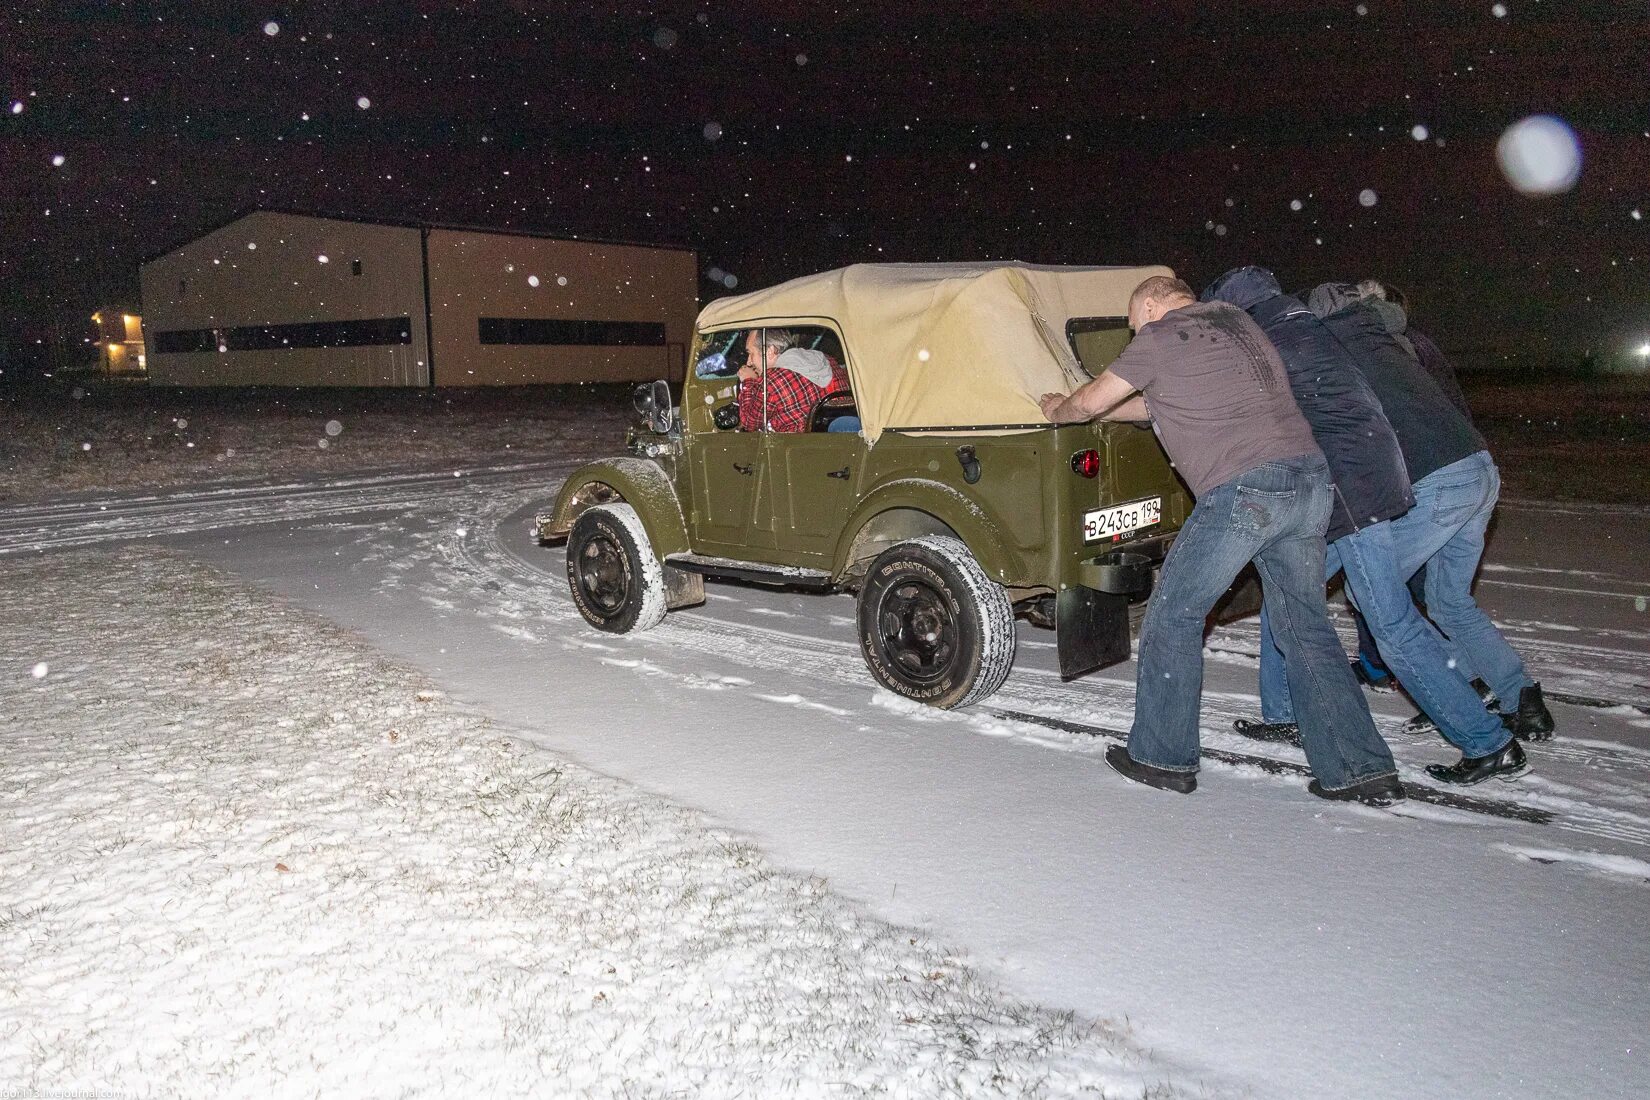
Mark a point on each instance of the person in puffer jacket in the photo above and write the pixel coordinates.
(1456, 485)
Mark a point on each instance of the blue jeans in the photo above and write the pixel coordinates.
(1412, 647)
(1445, 532)
(1275, 516)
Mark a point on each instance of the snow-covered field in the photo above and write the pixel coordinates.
(241, 853)
(1250, 939)
(108, 437)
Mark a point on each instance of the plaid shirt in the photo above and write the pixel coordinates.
(791, 399)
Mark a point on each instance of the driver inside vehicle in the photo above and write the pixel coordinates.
(783, 381)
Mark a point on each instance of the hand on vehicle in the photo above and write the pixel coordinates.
(1051, 403)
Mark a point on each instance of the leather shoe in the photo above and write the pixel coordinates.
(1532, 720)
(1383, 790)
(1161, 778)
(1287, 732)
(1508, 763)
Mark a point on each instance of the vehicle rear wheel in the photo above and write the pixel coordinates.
(617, 582)
(932, 626)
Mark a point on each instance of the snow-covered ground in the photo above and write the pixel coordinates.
(241, 853)
(107, 437)
(1253, 938)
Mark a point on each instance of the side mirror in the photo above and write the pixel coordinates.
(726, 417)
(652, 401)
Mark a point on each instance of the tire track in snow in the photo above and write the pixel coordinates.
(1096, 700)
(64, 524)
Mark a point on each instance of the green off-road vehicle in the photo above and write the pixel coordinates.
(953, 507)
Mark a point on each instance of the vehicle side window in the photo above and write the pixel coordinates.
(799, 384)
(1098, 340)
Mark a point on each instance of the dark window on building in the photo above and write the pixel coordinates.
(315, 334)
(322, 334)
(355, 267)
(186, 339)
(565, 331)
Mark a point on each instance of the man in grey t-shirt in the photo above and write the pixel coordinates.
(1219, 399)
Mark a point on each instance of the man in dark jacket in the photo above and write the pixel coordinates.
(1374, 488)
(1368, 666)
(1428, 354)
(1219, 399)
(1456, 485)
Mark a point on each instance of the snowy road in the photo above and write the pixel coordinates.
(1251, 934)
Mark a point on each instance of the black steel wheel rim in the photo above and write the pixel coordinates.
(917, 631)
(604, 574)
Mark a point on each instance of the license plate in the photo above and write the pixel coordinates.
(1107, 523)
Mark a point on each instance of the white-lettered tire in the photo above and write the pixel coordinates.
(933, 626)
(617, 582)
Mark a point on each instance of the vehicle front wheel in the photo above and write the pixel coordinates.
(932, 626)
(617, 582)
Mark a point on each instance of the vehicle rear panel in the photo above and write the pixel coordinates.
(1133, 468)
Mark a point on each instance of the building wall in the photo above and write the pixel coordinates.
(265, 270)
(491, 275)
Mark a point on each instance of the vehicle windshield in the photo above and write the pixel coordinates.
(1098, 340)
(724, 354)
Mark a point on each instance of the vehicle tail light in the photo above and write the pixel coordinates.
(1086, 463)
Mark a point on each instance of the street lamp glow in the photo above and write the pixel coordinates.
(1642, 351)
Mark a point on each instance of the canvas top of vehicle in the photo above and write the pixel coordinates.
(944, 345)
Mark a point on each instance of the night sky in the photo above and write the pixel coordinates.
(782, 139)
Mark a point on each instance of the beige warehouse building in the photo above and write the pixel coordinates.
(286, 299)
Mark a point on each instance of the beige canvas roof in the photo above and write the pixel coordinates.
(946, 345)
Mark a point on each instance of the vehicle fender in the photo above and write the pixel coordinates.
(639, 482)
(909, 507)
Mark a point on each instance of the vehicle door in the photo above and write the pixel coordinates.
(817, 471)
(731, 514)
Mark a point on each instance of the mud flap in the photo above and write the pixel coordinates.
(1093, 630)
(683, 589)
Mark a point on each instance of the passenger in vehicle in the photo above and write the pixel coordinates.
(783, 380)
(1219, 399)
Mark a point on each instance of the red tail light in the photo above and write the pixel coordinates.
(1086, 463)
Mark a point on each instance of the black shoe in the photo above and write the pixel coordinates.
(1374, 681)
(1286, 732)
(1381, 791)
(1507, 762)
(1421, 725)
(1532, 720)
(1161, 778)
